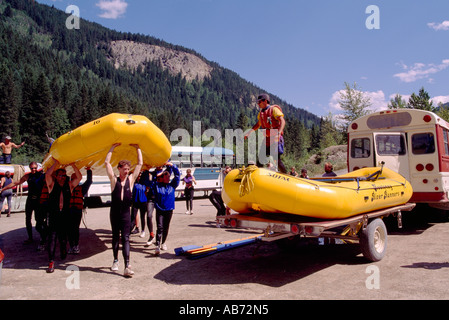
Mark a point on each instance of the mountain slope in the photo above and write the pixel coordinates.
(54, 79)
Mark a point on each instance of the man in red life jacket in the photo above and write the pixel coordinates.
(271, 117)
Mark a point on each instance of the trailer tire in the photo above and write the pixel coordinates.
(373, 240)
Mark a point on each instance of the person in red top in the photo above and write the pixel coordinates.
(271, 117)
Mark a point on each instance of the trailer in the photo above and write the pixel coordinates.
(368, 229)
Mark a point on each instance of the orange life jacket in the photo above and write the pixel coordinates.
(45, 195)
(268, 121)
(77, 199)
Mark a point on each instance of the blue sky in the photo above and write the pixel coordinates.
(301, 51)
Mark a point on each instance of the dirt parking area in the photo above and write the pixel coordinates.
(416, 265)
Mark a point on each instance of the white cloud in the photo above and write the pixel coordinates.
(420, 71)
(438, 99)
(378, 101)
(112, 9)
(439, 26)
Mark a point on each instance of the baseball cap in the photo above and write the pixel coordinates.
(263, 96)
(8, 137)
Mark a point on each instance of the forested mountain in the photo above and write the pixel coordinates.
(53, 79)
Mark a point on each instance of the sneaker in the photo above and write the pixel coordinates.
(41, 247)
(114, 265)
(164, 247)
(191, 212)
(70, 251)
(128, 273)
(187, 212)
(157, 251)
(142, 234)
(150, 242)
(51, 267)
(76, 250)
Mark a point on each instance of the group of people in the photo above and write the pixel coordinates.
(328, 171)
(5, 158)
(57, 202)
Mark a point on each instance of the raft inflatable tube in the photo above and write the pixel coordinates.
(255, 189)
(88, 145)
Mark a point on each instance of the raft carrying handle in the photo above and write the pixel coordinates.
(376, 174)
(130, 121)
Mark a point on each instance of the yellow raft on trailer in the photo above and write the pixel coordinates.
(255, 189)
(88, 145)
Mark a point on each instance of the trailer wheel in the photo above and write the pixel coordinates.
(373, 240)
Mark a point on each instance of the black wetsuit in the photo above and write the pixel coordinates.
(120, 216)
(58, 219)
(35, 183)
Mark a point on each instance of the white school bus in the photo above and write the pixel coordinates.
(414, 143)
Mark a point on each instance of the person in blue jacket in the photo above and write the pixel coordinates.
(164, 192)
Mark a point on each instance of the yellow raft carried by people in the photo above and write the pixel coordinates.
(88, 145)
(253, 189)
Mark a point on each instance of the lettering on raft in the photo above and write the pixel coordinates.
(384, 192)
(278, 176)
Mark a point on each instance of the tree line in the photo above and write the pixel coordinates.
(53, 80)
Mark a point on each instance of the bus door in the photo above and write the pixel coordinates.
(391, 148)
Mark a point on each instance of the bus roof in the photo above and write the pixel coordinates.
(395, 118)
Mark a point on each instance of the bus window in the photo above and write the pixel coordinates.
(197, 161)
(390, 144)
(423, 143)
(360, 148)
(389, 120)
(446, 140)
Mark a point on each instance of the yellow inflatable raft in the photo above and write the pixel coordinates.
(254, 189)
(88, 145)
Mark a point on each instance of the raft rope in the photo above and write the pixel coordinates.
(247, 183)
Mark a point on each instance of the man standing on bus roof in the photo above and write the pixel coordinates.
(271, 117)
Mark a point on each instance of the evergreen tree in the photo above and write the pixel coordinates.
(443, 111)
(35, 119)
(421, 101)
(8, 104)
(397, 103)
(60, 122)
(328, 135)
(50, 74)
(242, 120)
